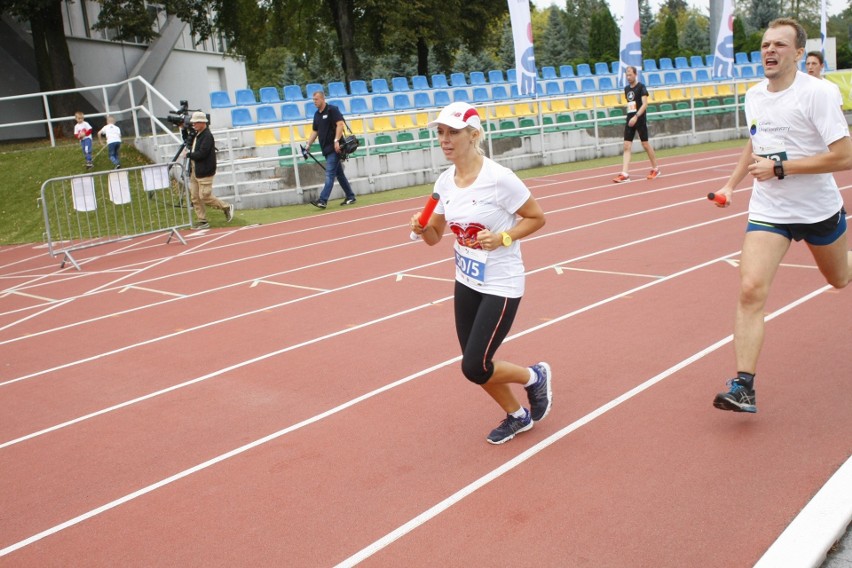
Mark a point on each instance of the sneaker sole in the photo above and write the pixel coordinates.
(549, 391)
(723, 403)
(506, 439)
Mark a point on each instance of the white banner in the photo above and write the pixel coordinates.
(723, 58)
(822, 30)
(630, 49)
(519, 10)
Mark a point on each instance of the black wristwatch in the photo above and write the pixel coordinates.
(779, 169)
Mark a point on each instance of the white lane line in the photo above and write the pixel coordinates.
(442, 506)
(561, 269)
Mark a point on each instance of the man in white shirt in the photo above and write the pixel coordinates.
(815, 65)
(798, 136)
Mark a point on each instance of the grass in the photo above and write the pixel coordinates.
(27, 165)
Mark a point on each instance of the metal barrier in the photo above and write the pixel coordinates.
(87, 210)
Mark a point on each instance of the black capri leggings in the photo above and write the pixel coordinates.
(482, 323)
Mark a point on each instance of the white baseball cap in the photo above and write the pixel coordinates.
(458, 115)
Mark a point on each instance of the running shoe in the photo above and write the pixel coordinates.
(318, 203)
(653, 173)
(229, 213)
(621, 178)
(509, 427)
(540, 394)
(739, 398)
(348, 201)
(202, 225)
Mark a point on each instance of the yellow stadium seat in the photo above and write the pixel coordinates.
(526, 109)
(503, 111)
(576, 103)
(421, 119)
(611, 101)
(558, 106)
(724, 90)
(265, 137)
(405, 122)
(356, 125)
(381, 124)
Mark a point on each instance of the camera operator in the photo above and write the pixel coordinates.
(328, 127)
(202, 153)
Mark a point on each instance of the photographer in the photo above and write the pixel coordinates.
(328, 127)
(202, 153)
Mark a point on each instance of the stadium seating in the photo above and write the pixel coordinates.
(380, 103)
(666, 64)
(266, 114)
(419, 83)
(458, 80)
(496, 76)
(702, 75)
(379, 86)
(290, 111)
(569, 87)
(512, 76)
(755, 58)
(293, 93)
(670, 78)
(285, 153)
(422, 100)
(399, 84)
(709, 59)
(650, 65)
(358, 88)
(461, 95)
(312, 88)
(265, 137)
(602, 68)
(439, 81)
(339, 103)
(220, 99)
(681, 62)
(552, 89)
(499, 93)
(309, 109)
(401, 101)
(566, 71)
(477, 78)
(358, 105)
(548, 73)
(269, 95)
(588, 85)
(654, 80)
(583, 70)
(686, 77)
(244, 97)
(696, 61)
(442, 98)
(481, 95)
(241, 116)
(605, 84)
(337, 89)
(741, 58)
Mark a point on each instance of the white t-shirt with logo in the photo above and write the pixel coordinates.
(490, 203)
(797, 122)
(112, 133)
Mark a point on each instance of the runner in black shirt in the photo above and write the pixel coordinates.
(637, 105)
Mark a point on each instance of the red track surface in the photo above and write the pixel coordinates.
(289, 395)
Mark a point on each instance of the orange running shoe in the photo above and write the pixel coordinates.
(654, 173)
(620, 178)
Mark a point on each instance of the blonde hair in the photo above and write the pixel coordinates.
(480, 142)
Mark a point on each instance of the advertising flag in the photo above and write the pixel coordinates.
(822, 30)
(630, 50)
(723, 58)
(519, 10)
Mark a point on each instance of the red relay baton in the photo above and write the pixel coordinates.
(718, 198)
(426, 214)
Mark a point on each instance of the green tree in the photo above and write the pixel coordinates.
(577, 23)
(553, 48)
(695, 39)
(646, 16)
(604, 35)
(669, 44)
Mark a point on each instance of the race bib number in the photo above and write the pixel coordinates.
(471, 262)
(774, 155)
(772, 151)
(631, 107)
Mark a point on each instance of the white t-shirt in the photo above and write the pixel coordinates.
(82, 130)
(490, 203)
(112, 133)
(795, 123)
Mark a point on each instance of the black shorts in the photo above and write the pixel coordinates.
(822, 233)
(641, 127)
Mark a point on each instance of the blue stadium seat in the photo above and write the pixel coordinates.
(419, 83)
(461, 95)
(496, 76)
(666, 64)
(337, 89)
(290, 111)
(379, 87)
(481, 95)
(499, 93)
(670, 78)
(422, 100)
(339, 103)
(696, 61)
(358, 88)
(310, 109)
(266, 114)
(588, 85)
(681, 62)
(241, 117)
(650, 65)
(548, 72)
(439, 81)
(220, 99)
(605, 84)
(293, 93)
(583, 70)
(442, 98)
(601, 68)
(755, 57)
(244, 97)
(741, 58)
(702, 75)
(312, 88)
(758, 71)
(399, 84)
(654, 80)
(269, 95)
(746, 72)
(566, 71)
(569, 87)
(477, 78)
(358, 105)
(401, 101)
(458, 80)
(512, 75)
(615, 66)
(709, 59)
(686, 77)
(552, 89)
(380, 103)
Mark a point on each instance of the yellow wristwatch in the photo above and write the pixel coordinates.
(507, 240)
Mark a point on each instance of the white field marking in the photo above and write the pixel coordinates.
(817, 527)
(348, 286)
(735, 262)
(24, 294)
(561, 269)
(401, 275)
(163, 292)
(286, 285)
(446, 503)
(442, 506)
(344, 406)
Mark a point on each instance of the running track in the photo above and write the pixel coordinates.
(289, 394)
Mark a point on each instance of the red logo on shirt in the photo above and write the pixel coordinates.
(466, 234)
